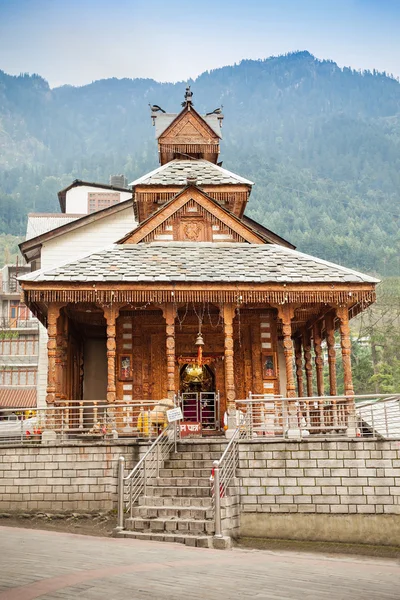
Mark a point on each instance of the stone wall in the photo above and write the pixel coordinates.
(346, 491)
(62, 478)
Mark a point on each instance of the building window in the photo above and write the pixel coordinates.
(17, 376)
(17, 312)
(99, 200)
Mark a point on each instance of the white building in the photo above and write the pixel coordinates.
(59, 238)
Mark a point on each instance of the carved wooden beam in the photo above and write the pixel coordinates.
(229, 314)
(169, 312)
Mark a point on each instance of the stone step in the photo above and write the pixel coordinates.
(176, 502)
(188, 464)
(209, 446)
(175, 491)
(187, 472)
(180, 482)
(176, 512)
(199, 541)
(189, 455)
(170, 525)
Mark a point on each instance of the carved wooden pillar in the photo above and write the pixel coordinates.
(299, 367)
(330, 342)
(342, 313)
(345, 342)
(61, 356)
(169, 313)
(307, 361)
(111, 315)
(286, 314)
(52, 374)
(319, 359)
(229, 314)
(319, 366)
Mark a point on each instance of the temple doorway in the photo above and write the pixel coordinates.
(198, 397)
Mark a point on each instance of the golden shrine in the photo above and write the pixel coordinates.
(198, 300)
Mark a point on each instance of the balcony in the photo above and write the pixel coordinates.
(31, 324)
(10, 287)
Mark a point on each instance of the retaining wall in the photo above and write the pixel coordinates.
(62, 478)
(345, 491)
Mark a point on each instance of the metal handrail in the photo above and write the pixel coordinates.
(352, 415)
(147, 468)
(223, 472)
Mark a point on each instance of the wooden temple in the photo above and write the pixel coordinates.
(198, 300)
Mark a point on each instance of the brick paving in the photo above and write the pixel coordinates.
(61, 566)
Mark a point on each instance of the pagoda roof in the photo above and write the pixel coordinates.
(176, 172)
(200, 262)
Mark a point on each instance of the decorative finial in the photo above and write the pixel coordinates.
(191, 179)
(188, 97)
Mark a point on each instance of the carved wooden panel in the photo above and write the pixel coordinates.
(188, 128)
(158, 373)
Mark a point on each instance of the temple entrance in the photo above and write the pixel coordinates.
(198, 397)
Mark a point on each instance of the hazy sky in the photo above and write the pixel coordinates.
(78, 41)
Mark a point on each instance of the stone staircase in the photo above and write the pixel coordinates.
(177, 506)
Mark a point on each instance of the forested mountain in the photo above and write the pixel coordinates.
(321, 143)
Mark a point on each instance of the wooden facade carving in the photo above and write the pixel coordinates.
(192, 204)
(148, 199)
(35, 294)
(188, 135)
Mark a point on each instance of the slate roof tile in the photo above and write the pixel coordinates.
(176, 172)
(208, 262)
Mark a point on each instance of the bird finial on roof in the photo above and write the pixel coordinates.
(188, 97)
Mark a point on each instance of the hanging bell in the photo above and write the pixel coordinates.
(199, 340)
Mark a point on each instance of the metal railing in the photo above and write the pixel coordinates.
(83, 421)
(134, 485)
(356, 416)
(10, 287)
(18, 323)
(224, 472)
(380, 418)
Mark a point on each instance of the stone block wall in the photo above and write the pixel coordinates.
(62, 478)
(294, 490)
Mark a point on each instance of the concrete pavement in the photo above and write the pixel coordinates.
(63, 566)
